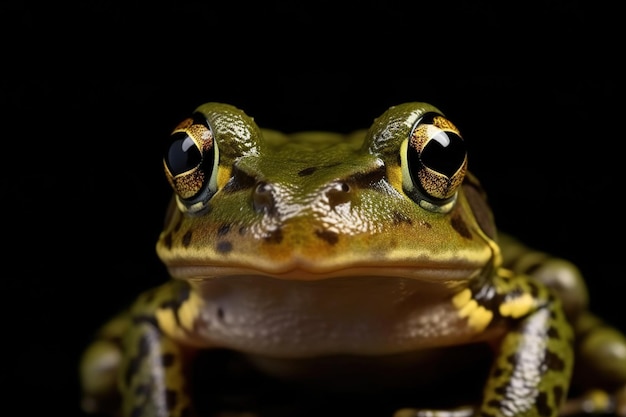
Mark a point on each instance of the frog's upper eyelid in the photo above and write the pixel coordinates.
(235, 132)
(389, 130)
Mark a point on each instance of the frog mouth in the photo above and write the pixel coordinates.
(447, 266)
(429, 273)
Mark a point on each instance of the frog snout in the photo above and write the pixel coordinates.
(271, 198)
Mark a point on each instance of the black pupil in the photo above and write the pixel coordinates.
(182, 154)
(444, 153)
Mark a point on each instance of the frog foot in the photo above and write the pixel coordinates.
(596, 402)
(99, 371)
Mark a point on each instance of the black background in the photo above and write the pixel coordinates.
(89, 92)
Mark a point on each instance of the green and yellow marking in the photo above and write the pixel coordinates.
(478, 317)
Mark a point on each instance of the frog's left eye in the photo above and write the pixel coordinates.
(190, 159)
(434, 162)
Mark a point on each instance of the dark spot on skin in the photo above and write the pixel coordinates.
(167, 359)
(181, 296)
(141, 390)
(275, 236)
(512, 359)
(178, 224)
(220, 313)
(148, 342)
(167, 241)
(187, 238)
(497, 372)
(459, 225)
(224, 246)
(133, 366)
(145, 320)
(515, 293)
(532, 268)
(495, 404)
(143, 346)
(425, 224)
(534, 289)
(171, 397)
(542, 405)
(553, 332)
(559, 394)
(500, 390)
(223, 229)
(307, 171)
(553, 362)
(399, 218)
(326, 235)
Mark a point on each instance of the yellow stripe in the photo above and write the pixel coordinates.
(478, 317)
(462, 298)
(189, 311)
(517, 307)
(167, 321)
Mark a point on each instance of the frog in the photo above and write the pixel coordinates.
(347, 268)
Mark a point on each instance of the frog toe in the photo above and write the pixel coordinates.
(596, 402)
(99, 373)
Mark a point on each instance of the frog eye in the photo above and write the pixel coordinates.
(190, 161)
(434, 162)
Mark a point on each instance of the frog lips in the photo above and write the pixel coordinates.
(428, 273)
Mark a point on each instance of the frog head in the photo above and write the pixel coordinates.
(395, 200)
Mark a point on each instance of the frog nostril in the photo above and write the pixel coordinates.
(338, 193)
(263, 197)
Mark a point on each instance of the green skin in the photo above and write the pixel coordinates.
(336, 222)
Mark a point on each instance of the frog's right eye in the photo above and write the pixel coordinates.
(190, 160)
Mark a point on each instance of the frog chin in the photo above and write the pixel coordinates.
(363, 315)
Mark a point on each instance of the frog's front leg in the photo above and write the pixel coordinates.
(599, 380)
(531, 372)
(155, 370)
(99, 368)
